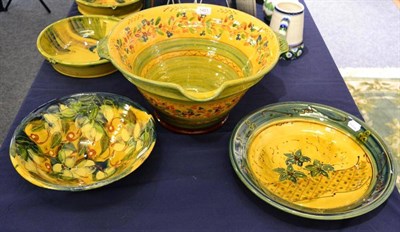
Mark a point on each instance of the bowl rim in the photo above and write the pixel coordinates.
(354, 212)
(53, 60)
(212, 94)
(96, 184)
(114, 6)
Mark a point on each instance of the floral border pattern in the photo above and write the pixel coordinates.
(198, 111)
(140, 29)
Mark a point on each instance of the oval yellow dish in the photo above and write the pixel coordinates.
(70, 45)
(192, 62)
(117, 8)
(312, 160)
(82, 141)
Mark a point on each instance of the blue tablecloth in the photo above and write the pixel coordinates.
(187, 183)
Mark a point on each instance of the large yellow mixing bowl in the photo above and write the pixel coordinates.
(192, 62)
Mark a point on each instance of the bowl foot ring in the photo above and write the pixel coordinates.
(188, 131)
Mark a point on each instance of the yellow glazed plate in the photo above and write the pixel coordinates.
(70, 45)
(312, 160)
(82, 141)
(117, 8)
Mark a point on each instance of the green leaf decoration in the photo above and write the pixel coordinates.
(22, 152)
(38, 125)
(158, 20)
(56, 140)
(65, 126)
(289, 174)
(290, 160)
(293, 179)
(82, 149)
(160, 32)
(296, 158)
(76, 106)
(145, 135)
(322, 172)
(99, 128)
(93, 111)
(318, 168)
(327, 167)
(299, 174)
(61, 156)
(69, 146)
(24, 142)
(68, 113)
(280, 170)
(289, 168)
(283, 177)
(314, 173)
(105, 142)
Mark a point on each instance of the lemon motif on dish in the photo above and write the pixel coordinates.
(82, 141)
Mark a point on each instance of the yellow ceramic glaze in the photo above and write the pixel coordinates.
(117, 8)
(82, 142)
(192, 56)
(70, 45)
(330, 169)
(312, 160)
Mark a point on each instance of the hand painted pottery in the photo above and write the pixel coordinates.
(288, 20)
(312, 160)
(70, 45)
(117, 8)
(82, 141)
(192, 62)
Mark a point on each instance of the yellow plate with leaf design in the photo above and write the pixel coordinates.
(312, 160)
(82, 141)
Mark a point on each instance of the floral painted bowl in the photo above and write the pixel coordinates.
(312, 161)
(82, 141)
(117, 8)
(192, 62)
(70, 45)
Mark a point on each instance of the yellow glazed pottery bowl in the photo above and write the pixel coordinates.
(70, 45)
(192, 62)
(117, 8)
(82, 141)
